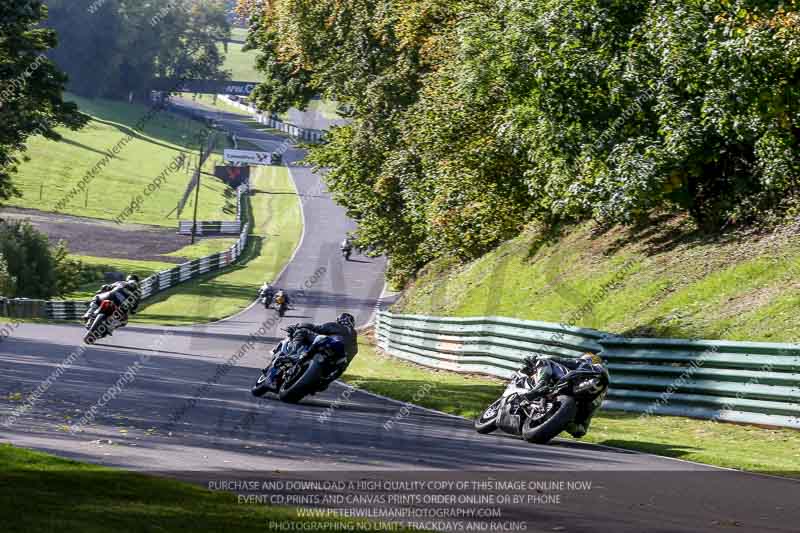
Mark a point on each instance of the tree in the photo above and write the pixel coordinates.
(117, 47)
(471, 119)
(31, 91)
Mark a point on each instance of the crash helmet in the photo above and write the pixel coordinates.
(132, 281)
(347, 320)
(592, 358)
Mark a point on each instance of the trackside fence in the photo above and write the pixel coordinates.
(306, 134)
(220, 227)
(748, 382)
(161, 281)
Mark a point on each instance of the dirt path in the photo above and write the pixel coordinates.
(101, 238)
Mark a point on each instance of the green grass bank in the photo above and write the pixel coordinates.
(665, 279)
(55, 168)
(44, 493)
(276, 229)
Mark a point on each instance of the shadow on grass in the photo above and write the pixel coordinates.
(71, 142)
(656, 448)
(461, 399)
(664, 232)
(149, 138)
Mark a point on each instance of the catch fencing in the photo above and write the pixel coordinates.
(747, 382)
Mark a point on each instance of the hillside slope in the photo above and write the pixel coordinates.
(149, 144)
(665, 280)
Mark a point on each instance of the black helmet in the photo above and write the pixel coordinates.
(132, 277)
(347, 320)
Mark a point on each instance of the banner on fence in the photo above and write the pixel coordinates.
(248, 157)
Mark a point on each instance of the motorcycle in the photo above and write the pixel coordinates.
(295, 376)
(282, 305)
(266, 299)
(571, 397)
(346, 252)
(101, 321)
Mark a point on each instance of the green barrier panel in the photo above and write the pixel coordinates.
(749, 382)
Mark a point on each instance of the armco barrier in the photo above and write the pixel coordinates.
(73, 310)
(305, 134)
(749, 382)
(230, 227)
(227, 227)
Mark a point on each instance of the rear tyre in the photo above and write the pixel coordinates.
(487, 421)
(562, 413)
(294, 390)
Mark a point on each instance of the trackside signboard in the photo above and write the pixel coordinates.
(247, 157)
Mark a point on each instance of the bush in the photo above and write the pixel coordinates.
(32, 268)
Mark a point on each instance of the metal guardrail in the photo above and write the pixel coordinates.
(223, 227)
(748, 382)
(229, 227)
(161, 281)
(305, 134)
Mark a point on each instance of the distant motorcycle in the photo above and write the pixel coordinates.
(571, 397)
(266, 299)
(295, 376)
(346, 252)
(281, 304)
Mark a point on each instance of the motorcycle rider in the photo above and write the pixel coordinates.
(344, 327)
(543, 373)
(267, 292)
(301, 336)
(281, 297)
(125, 294)
(347, 247)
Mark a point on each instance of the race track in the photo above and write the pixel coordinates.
(187, 412)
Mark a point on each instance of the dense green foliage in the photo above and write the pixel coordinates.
(31, 87)
(111, 48)
(470, 118)
(30, 267)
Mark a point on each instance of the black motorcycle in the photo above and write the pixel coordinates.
(293, 376)
(572, 397)
(266, 298)
(347, 252)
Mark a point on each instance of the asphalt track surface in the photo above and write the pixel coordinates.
(187, 413)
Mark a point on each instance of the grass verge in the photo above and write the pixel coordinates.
(665, 279)
(276, 228)
(750, 448)
(55, 168)
(241, 64)
(44, 493)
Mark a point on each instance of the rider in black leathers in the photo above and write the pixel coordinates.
(344, 328)
(543, 373)
(125, 294)
(301, 336)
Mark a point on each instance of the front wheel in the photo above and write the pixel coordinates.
(260, 388)
(93, 334)
(303, 383)
(542, 429)
(487, 421)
